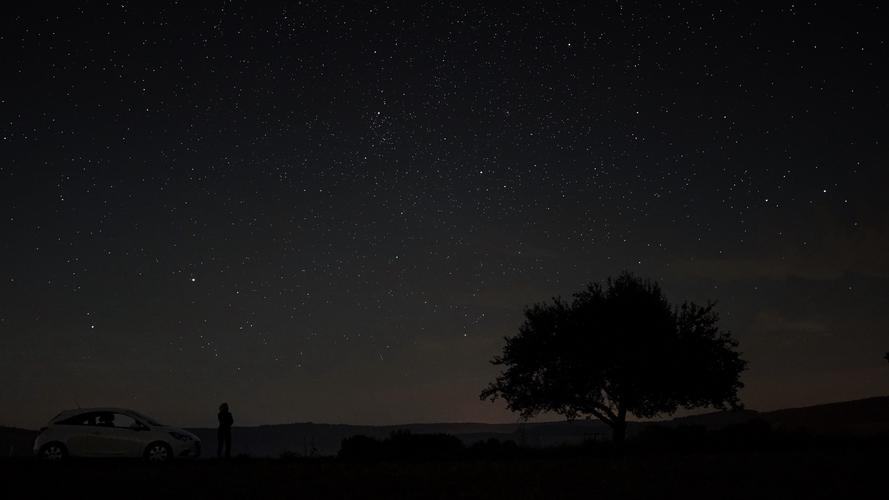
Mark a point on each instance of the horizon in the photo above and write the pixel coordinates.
(550, 419)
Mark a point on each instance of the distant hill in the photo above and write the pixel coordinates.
(862, 417)
(852, 418)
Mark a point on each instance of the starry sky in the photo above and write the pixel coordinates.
(336, 213)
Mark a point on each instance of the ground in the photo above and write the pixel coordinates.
(823, 474)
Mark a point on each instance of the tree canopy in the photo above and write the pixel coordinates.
(618, 350)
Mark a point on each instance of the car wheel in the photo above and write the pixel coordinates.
(53, 452)
(158, 452)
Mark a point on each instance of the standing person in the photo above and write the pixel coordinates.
(224, 434)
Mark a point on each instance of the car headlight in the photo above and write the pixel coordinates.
(181, 437)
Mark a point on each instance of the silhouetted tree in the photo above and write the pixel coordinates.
(617, 351)
(886, 357)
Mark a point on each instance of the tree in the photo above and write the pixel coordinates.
(617, 351)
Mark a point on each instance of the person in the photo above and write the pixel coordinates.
(224, 434)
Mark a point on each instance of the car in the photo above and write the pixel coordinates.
(113, 432)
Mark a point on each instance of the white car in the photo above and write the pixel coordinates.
(113, 432)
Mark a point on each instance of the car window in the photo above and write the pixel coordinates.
(105, 419)
(114, 419)
(88, 418)
(125, 421)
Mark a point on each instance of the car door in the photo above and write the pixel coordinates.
(84, 436)
(127, 437)
(100, 441)
(102, 437)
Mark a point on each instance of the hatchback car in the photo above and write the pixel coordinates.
(113, 432)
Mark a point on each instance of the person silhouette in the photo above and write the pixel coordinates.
(224, 434)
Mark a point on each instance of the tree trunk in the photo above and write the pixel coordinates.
(619, 433)
(619, 428)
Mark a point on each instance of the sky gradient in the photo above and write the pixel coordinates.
(335, 214)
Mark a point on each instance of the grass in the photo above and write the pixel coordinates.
(747, 475)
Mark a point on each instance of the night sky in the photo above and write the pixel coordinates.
(335, 214)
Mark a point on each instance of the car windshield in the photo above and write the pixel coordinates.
(150, 420)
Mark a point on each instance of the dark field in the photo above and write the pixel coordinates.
(747, 475)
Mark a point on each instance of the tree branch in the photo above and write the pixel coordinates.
(601, 416)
